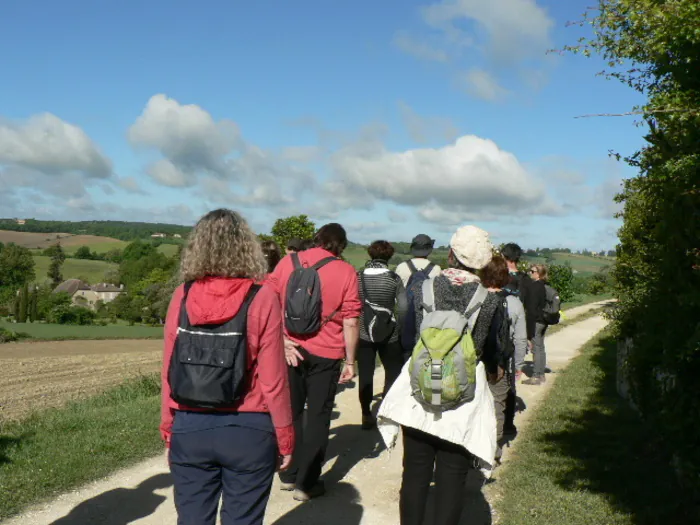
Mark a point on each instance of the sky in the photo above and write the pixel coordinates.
(393, 118)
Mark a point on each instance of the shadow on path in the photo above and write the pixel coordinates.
(119, 506)
(340, 506)
(349, 445)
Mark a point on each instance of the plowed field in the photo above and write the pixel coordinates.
(47, 374)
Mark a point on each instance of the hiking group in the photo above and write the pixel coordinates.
(256, 345)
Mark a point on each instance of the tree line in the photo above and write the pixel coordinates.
(122, 230)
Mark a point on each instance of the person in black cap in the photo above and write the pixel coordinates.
(294, 245)
(421, 248)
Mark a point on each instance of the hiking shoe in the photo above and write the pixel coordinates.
(316, 491)
(535, 381)
(368, 422)
(288, 487)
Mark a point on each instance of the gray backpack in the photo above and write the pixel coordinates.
(303, 303)
(552, 305)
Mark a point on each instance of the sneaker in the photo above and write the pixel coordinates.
(534, 381)
(288, 487)
(316, 491)
(368, 422)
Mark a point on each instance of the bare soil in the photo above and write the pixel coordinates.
(44, 240)
(48, 374)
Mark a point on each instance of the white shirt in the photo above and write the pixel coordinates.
(403, 271)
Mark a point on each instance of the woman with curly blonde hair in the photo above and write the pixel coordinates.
(226, 412)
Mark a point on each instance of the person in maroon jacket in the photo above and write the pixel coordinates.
(231, 451)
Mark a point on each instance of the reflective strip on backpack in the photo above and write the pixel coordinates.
(436, 381)
(193, 332)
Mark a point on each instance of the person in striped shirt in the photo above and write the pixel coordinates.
(384, 289)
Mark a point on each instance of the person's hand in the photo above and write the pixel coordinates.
(291, 353)
(530, 345)
(518, 375)
(284, 462)
(348, 373)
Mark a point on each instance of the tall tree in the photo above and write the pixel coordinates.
(58, 257)
(653, 46)
(23, 304)
(16, 266)
(34, 305)
(295, 227)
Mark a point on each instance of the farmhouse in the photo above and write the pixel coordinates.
(158, 236)
(85, 295)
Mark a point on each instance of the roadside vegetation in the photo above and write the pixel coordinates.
(56, 450)
(585, 457)
(59, 332)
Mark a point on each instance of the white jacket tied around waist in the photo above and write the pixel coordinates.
(472, 426)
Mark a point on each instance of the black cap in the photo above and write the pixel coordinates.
(422, 245)
(294, 244)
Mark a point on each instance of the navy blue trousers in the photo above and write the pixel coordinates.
(233, 462)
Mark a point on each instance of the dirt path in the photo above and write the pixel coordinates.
(363, 478)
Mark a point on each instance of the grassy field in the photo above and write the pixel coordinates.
(57, 332)
(54, 451)
(168, 249)
(69, 241)
(582, 264)
(93, 271)
(586, 458)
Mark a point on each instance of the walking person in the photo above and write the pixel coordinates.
(494, 276)
(320, 299)
(224, 378)
(456, 315)
(272, 254)
(421, 248)
(538, 272)
(381, 293)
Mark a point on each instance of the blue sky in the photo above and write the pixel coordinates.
(392, 118)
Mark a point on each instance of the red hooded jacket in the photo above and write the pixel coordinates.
(215, 300)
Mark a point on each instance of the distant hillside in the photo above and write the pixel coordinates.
(121, 230)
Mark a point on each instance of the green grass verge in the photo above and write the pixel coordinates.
(56, 450)
(93, 271)
(584, 298)
(586, 458)
(58, 332)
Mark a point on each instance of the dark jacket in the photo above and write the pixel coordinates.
(537, 297)
(385, 289)
(532, 297)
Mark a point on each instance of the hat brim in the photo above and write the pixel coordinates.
(421, 252)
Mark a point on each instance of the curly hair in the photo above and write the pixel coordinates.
(222, 245)
(381, 250)
(495, 274)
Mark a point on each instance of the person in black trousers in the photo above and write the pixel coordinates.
(384, 289)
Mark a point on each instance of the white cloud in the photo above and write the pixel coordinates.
(52, 146)
(469, 178)
(130, 184)
(165, 172)
(483, 85)
(418, 48)
(424, 129)
(515, 29)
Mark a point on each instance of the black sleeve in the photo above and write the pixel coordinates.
(529, 299)
(492, 354)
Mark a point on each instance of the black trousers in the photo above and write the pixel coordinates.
(206, 467)
(391, 355)
(424, 454)
(314, 383)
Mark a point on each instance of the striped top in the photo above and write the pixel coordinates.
(385, 289)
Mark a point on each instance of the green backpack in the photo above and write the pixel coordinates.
(443, 363)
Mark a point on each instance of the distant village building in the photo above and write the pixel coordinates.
(177, 236)
(158, 236)
(83, 294)
(21, 222)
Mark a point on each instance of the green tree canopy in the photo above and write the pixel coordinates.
(16, 266)
(83, 253)
(296, 227)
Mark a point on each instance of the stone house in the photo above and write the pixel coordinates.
(83, 294)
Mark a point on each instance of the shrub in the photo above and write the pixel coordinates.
(75, 315)
(7, 336)
(561, 278)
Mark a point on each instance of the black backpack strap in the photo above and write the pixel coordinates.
(320, 264)
(296, 261)
(429, 269)
(411, 266)
(364, 286)
(184, 318)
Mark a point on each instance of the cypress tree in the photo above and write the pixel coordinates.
(34, 305)
(23, 304)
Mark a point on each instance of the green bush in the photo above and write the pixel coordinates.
(10, 336)
(561, 278)
(653, 47)
(76, 315)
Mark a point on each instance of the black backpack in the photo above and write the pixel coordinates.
(303, 303)
(409, 332)
(501, 326)
(209, 362)
(379, 322)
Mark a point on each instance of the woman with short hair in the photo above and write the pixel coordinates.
(226, 412)
(380, 288)
(539, 275)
